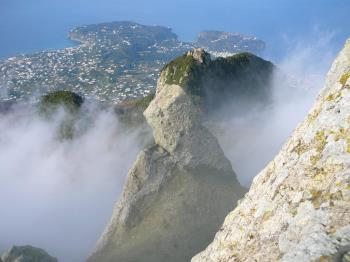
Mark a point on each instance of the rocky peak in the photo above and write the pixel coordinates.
(239, 78)
(178, 190)
(298, 207)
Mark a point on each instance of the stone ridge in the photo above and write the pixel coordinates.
(178, 191)
(298, 207)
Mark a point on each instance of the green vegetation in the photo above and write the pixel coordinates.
(130, 113)
(68, 100)
(210, 83)
(243, 77)
(30, 253)
(241, 62)
(33, 253)
(344, 78)
(144, 102)
(184, 71)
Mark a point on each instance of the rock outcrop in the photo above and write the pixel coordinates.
(241, 82)
(243, 79)
(26, 254)
(298, 207)
(178, 191)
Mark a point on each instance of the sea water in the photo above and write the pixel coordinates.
(28, 26)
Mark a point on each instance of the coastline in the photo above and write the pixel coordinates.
(68, 43)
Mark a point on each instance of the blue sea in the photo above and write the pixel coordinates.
(28, 26)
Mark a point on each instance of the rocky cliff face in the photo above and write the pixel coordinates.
(177, 192)
(298, 207)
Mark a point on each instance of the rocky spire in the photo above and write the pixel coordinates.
(177, 192)
(298, 207)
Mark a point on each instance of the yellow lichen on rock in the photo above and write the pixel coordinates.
(344, 78)
(302, 200)
(313, 115)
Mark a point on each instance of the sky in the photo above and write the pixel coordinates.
(33, 25)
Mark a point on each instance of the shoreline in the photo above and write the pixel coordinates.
(69, 43)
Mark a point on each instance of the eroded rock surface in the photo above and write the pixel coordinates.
(177, 192)
(298, 207)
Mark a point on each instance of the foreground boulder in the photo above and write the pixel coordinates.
(26, 254)
(298, 207)
(177, 192)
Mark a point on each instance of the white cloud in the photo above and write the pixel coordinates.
(59, 195)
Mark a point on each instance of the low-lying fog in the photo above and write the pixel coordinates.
(253, 138)
(59, 195)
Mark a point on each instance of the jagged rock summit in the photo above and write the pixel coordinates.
(177, 192)
(298, 207)
(243, 79)
(26, 254)
(242, 82)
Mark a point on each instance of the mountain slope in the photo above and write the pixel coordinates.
(298, 207)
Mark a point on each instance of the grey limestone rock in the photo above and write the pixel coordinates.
(298, 207)
(177, 192)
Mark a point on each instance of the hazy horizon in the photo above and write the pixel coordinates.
(36, 25)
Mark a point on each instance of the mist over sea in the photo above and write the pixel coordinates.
(28, 26)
